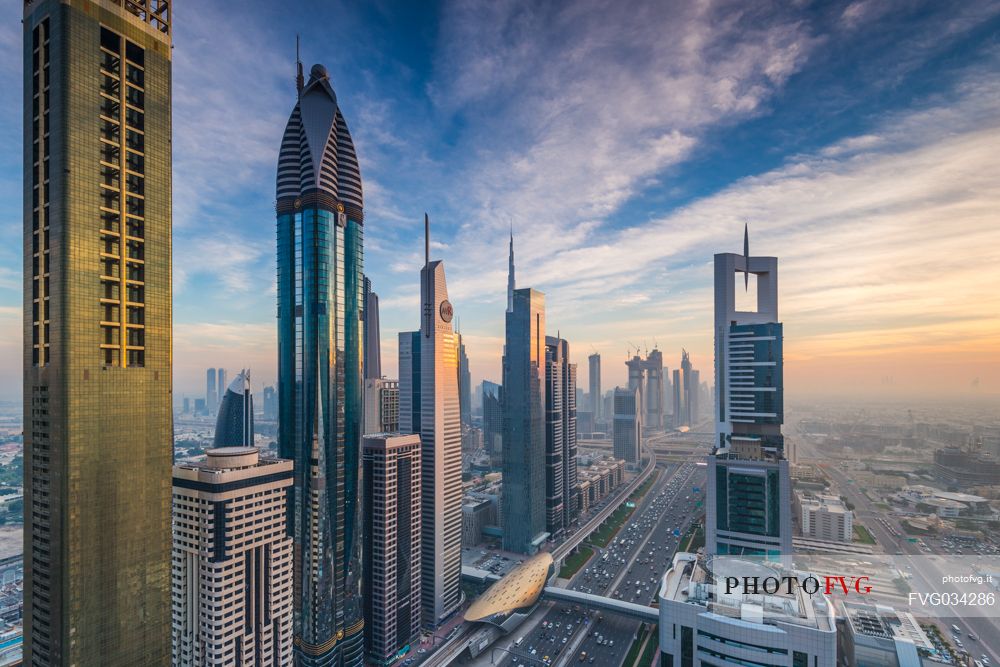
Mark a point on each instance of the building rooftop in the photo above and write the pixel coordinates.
(689, 580)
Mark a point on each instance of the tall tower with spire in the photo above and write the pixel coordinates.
(510, 274)
(320, 353)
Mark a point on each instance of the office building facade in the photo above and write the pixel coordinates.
(493, 422)
(560, 436)
(97, 332)
(320, 221)
(381, 406)
(232, 561)
(749, 488)
(211, 390)
(392, 499)
(594, 380)
(464, 384)
(234, 423)
(686, 390)
(524, 423)
(627, 426)
(429, 405)
(373, 344)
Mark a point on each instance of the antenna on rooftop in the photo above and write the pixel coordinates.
(299, 79)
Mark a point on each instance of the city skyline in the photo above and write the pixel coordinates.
(853, 194)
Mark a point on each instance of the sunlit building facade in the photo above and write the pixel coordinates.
(234, 423)
(98, 428)
(320, 355)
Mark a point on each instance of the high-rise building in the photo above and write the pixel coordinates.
(748, 490)
(381, 406)
(627, 433)
(98, 428)
(222, 385)
(524, 424)
(653, 403)
(234, 424)
(560, 436)
(686, 387)
(464, 384)
(430, 379)
(232, 561)
(594, 364)
(373, 343)
(270, 403)
(211, 390)
(391, 497)
(493, 422)
(187, 405)
(320, 352)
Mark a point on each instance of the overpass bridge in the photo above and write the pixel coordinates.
(590, 601)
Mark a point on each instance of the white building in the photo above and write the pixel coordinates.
(428, 368)
(703, 626)
(232, 561)
(826, 518)
(381, 405)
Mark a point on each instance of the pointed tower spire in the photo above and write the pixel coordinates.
(427, 240)
(510, 272)
(746, 256)
(300, 81)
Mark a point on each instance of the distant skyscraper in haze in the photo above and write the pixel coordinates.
(748, 491)
(373, 343)
(234, 424)
(524, 424)
(98, 429)
(391, 498)
(627, 425)
(560, 436)
(464, 384)
(646, 376)
(230, 601)
(320, 355)
(493, 422)
(428, 369)
(686, 387)
(211, 390)
(270, 403)
(594, 364)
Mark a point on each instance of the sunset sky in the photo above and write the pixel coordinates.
(626, 143)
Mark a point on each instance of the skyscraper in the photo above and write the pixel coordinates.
(560, 435)
(464, 384)
(627, 427)
(373, 344)
(440, 432)
(234, 425)
(381, 406)
(594, 363)
(270, 403)
(686, 386)
(211, 390)
(320, 352)
(493, 422)
(524, 424)
(510, 274)
(97, 332)
(231, 605)
(748, 491)
(653, 403)
(222, 385)
(391, 497)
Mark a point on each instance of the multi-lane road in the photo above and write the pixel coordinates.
(629, 569)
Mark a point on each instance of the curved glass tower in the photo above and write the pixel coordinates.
(320, 352)
(234, 425)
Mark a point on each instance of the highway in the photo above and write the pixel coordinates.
(926, 577)
(642, 550)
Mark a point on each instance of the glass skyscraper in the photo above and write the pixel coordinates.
(98, 432)
(749, 490)
(320, 355)
(524, 423)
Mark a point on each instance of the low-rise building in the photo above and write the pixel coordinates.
(825, 517)
(879, 636)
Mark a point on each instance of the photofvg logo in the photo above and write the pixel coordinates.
(790, 584)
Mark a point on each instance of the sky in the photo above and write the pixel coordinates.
(625, 143)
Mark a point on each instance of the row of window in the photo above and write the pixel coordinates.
(40, 193)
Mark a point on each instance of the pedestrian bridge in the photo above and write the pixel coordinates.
(591, 601)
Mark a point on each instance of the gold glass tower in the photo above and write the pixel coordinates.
(97, 332)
